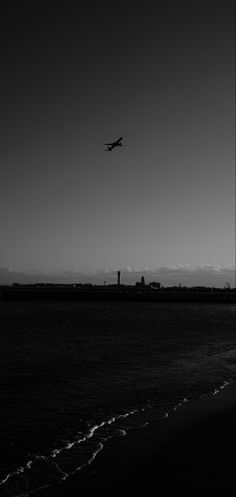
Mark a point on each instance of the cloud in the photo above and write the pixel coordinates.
(216, 268)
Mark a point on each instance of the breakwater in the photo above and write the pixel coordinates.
(129, 294)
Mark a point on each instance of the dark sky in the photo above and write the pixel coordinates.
(160, 74)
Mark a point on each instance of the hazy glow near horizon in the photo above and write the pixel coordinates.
(164, 82)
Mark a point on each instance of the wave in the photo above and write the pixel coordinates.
(221, 387)
(182, 402)
(42, 471)
(64, 460)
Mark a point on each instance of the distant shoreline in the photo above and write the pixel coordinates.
(115, 293)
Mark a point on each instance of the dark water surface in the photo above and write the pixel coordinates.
(74, 374)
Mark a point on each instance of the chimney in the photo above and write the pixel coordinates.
(118, 278)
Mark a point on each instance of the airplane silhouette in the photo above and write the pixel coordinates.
(112, 145)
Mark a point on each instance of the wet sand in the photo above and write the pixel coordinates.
(196, 455)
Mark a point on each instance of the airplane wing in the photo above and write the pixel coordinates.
(114, 143)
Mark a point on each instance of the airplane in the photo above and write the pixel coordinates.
(112, 145)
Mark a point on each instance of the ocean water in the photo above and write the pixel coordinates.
(75, 374)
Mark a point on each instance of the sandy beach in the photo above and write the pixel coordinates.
(195, 456)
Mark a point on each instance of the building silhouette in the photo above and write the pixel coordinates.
(141, 283)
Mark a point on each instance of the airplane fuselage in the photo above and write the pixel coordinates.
(112, 145)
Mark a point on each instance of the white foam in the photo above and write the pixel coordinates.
(221, 387)
(69, 445)
(100, 447)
